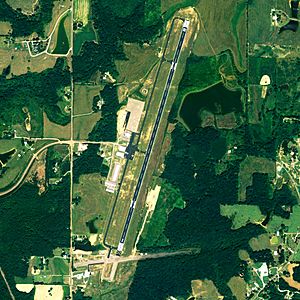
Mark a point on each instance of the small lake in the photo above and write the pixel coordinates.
(216, 99)
(4, 157)
(62, 43)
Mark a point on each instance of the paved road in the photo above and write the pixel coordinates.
(121, 259)
(153, 136)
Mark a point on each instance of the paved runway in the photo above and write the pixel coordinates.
(153, 135)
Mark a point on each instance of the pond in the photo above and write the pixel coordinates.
(216, 99)
(62, 43)
(4, 157)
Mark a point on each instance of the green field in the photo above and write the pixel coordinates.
(153, 235)
(95, 202)
(241, 215)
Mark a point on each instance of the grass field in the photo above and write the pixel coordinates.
(5, 27)
(95, 203)
(83, 125)
(169, 199)
(293, 223)
(83, 97)
(260, 29)
(250, 165)
(139, 62)
(22, 62)
(211, 40)
(52, 130)
(81, 11)
(241, 215)
(25, 5)
(83, 35)
(58, 9)
(238, 287)
(260, 242)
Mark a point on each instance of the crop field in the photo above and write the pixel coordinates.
(95, 203)
(211, 40)
(251, 165)
(83, 98)
(53, 130)
(81, 11)
(140, 61)
(83, 125)
(25, 5)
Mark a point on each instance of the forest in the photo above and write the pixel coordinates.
(114, 25)
(106, 128)
(88, 162)
(24, 25)
(37, 92)
(200, 224)
(31, 225)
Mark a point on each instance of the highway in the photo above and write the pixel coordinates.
(153, 136)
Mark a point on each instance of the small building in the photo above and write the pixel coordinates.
(134, 110)
(112, 181)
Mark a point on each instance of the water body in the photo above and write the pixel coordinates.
(62, 44)
(4, 157)
(216, 99)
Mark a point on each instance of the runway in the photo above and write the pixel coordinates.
(153, 135)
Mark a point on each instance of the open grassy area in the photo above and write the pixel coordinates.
(53, 130)
(83, 125)
(241, 215)
(21, 62)
(238, 287)
(83, 97)
(153, 235)
(140, 60)
(231, 18)
(25, 5)
(293, 223)
(5, 27)
(260, 242)
(95, 202)
(260, 29)
(61, 37)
